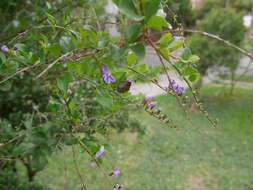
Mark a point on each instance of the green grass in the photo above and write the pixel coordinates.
(243, 78)
(196, 157)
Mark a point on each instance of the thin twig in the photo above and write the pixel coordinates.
(33, 28)
(77, 169)
(53, 63)
(245, 52)
(18, 72)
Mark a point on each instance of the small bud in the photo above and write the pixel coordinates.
(186, 100)
(147, 98)
(152, 104)
(157, 111)
(162, 116)
(15, 48)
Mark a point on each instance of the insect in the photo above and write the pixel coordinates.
(124, 86)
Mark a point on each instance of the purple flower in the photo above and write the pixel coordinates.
(116, 172)
(157, 111)
(181, 90)
(93, 164)
(100, 152)
(121, 186)
(147, 98)
(5, 49)
(176, 88)
(173, 82)
(152, 104)
(107, 76)
(15, 48)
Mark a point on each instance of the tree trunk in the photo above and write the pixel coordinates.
(232, 83)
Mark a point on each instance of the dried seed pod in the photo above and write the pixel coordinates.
(124, 86)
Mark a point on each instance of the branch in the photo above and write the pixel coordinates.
(19, 71)
(214, 37)
(59, 10)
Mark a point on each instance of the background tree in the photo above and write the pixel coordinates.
(227, 24)
(179, 13)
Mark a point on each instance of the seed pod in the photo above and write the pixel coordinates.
(124, 86)
(186, 100)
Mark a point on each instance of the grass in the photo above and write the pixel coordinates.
(196, 157)
(243, 78)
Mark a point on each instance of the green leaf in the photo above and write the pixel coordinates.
(139, 50)
(104, 99)
(186, 54)
(132, 32)
(6, 86)
(143, 68)
(2, 58)
(150, 8)
(157, 22)
(51, 19)
(194, 77)
(127, 7)
(194, 59)
(55, 50)
(189, 71)
(9, 69)
(165, 39)
(175, 45)
(132, 58)
(63, 81)
(164, 52)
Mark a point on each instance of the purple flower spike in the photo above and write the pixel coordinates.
(5, 49)
(107, 76)
(116, 172)
(100, 152)
(152, 104)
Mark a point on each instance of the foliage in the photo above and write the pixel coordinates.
(180, 12)
(222, 22)
(208, 5)
(60, 77)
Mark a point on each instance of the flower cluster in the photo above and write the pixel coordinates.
(5, 49)
(107, 76)
(177, 88)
